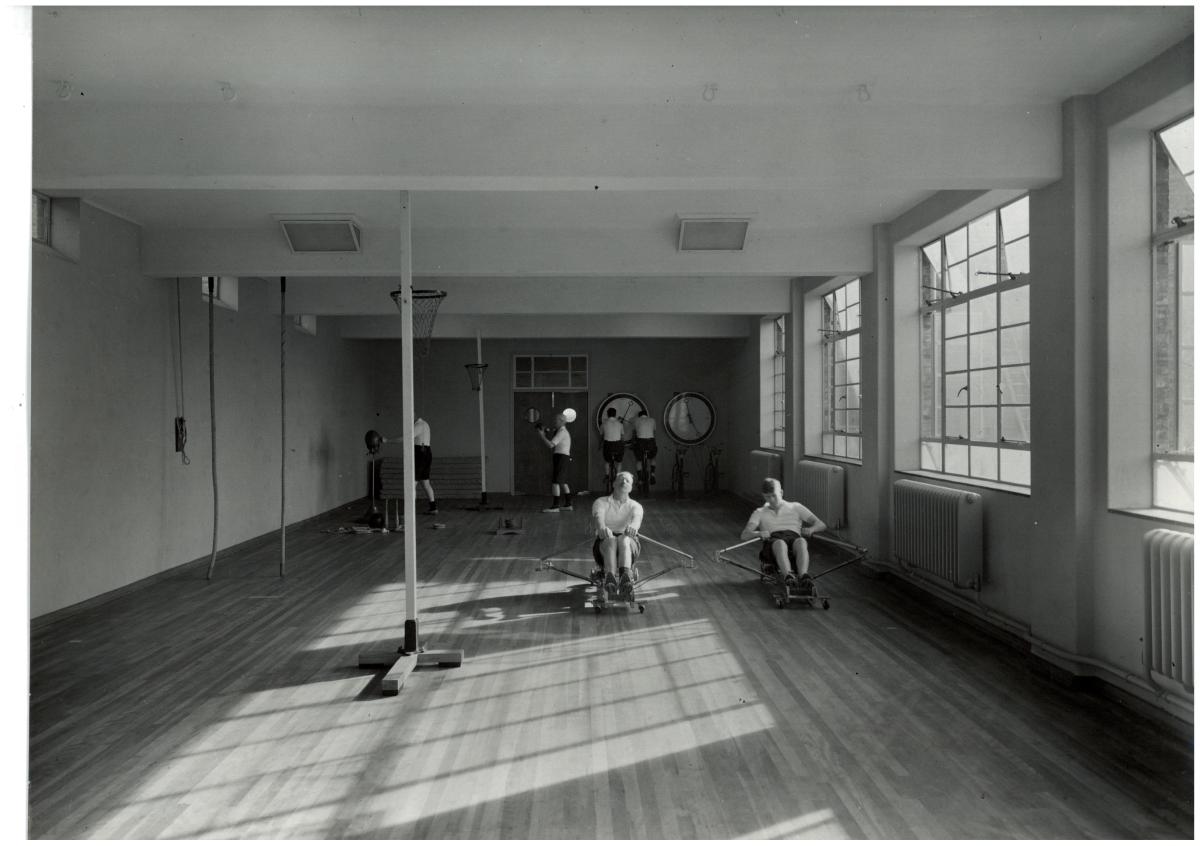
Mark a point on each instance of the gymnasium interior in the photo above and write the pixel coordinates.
(928, 267)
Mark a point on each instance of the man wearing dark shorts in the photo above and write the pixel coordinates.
(423, 461)
(645, 448)
(612, 433)
(560, 447)
(783, 527)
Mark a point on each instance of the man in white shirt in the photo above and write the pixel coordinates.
(423, 460)
(560, 447)
(645, 448)
(617, 520)
(783, 527)
(612, 439)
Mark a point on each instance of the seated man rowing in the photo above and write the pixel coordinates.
(617, 519)
(783, 527)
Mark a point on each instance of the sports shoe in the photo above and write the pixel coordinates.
(610, 585)
(566, 508)
(431, 511)
(626, 584)
(553, 510)
(807, 586)
(790, 581)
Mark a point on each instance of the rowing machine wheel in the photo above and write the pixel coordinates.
(641, 609)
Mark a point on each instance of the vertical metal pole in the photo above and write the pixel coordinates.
(212, 413)
(282, 424)
(411, 639)
(482, 448)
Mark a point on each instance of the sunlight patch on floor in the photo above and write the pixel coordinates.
(818, 825)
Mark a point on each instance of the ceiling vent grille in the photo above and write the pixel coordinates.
(712, 234)
(322, 234)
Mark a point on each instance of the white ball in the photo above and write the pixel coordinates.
(568, 415)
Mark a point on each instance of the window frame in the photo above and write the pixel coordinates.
(830, 337)
(938, 296)
(533, 371)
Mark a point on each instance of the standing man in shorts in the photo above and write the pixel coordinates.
(560, 448)
(612, 441)
(783, 527)
(645, 448)
(423, 461)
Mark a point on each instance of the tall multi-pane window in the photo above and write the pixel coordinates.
(841, 373)
(1172, 332)
(779, 384)
(975, 365)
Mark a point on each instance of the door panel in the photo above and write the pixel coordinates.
(531, 458)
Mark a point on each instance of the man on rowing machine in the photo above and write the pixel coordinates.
(617, 519)
(783, 527)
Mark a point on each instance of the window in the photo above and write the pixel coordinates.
(841, 374)
(974, 348)
(41, 218)
(779, 385)
(1172, 332)
(225, 291)
(542, 372)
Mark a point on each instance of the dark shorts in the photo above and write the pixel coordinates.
(424, 460)
(562, 467)
(635, 549)
(767, 556)
(614, 450)
(645, 448)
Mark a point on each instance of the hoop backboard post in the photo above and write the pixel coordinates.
(406, 660)
(475, 374)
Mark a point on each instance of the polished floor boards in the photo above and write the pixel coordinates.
(235, 708)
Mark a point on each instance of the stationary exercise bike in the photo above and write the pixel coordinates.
(596, 577)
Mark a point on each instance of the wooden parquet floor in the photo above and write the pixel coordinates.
(236, 709)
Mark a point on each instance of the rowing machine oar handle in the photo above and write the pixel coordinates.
(721, 552)
(839, 542)
(665, 546)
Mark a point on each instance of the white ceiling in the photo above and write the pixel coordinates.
(556, 143)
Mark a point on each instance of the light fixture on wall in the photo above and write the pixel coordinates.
(709, 233)
(321, 233)
(228, 92)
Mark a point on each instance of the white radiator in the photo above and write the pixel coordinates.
(762, 465)
(1168, 557)
(821, 488)
(939, 531)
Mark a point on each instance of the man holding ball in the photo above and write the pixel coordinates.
(560, 446)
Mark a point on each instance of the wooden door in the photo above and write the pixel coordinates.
(531, 458)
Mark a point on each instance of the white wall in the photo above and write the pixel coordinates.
(111, 501)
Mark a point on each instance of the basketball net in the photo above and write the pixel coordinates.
(424, 312)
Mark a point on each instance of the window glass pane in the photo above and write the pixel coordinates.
(852, 421)
(840, 351)
(930, 261)
(983, 423)
(931, 456)
(983, 387)
(956, 423)
(985, 463)
(1173, 174)
(983, 312)
(956, 246)
(839, 444)
(956, 280)
(1174, 485)
(1014, 219)
(852, 397)
(551, 379)
(956, 354)
(956, 389)
(552, 362)
(852, 346)
(1014, 385)
(852, 295)
(983, 349)
(854, 447)
(956, 321)
(1014, 306)
(523, 380)
(981, 232)
(839, 420)
(839, 374)
(1014, 423)
(852, 370)
(827, 443)
(982, 269)
(852, 322)
(1014, 466)
(524, 363)
(1014, 345)
(957, 460)
(1015, 258)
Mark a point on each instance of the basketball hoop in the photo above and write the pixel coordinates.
(475, 374)
(424, 311)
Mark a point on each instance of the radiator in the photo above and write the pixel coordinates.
(821, 488)
(1168, 557)
(762, 465)
(939, 531)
